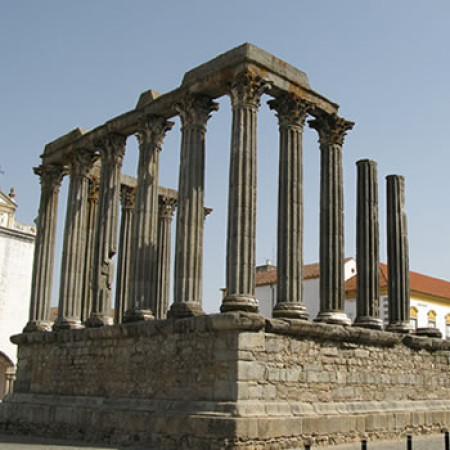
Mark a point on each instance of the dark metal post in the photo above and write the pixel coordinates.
(447, 440)
(364, 445)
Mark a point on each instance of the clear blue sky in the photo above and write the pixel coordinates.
(66, 64)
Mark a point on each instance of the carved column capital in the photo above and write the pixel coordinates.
(166, 207)
(51, 176)
(291, 110)
(127, 195)
(152, 130)
(111, 147)
(331, 128)
(246, 90)
(81, 162)
(196, 110)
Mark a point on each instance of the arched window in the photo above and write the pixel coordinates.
(413, 315)
(431, 319)
(447, 326)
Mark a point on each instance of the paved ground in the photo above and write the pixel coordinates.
(432, 442)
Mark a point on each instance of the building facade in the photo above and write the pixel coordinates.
(16, 261)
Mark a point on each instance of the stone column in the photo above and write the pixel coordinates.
(166, 210)
(41, 285)
(74, 245)
(144, 235)
(397, 255)
(291, 112)
(92, 217)
(367, 247)
(331, 130)
(245, 93)
(127, 195)
(112, 149)
(194, 113)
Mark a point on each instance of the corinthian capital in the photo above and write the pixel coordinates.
(196, 110)
(51, 176)
(111, 147)
(291, 110)
(166, 207)
(331, 128)
(81, 162)
(152, 130)
(247, 89)
(127, 194)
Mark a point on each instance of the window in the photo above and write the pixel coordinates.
(413, 313)
(431, 319)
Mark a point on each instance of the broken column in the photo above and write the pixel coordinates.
(41, 287)
(331, 130)
(291, 113)
(194, 113)
(367, 246)
(397, 255)
(112, 150)
(74, 245)
(127, 195)
(142, 287)
(245, 93)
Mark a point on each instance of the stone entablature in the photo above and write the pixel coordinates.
(230, 380)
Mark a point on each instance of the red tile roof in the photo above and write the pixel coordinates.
(418, 283)
(269, 275)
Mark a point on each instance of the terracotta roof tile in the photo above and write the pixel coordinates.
(418, 282)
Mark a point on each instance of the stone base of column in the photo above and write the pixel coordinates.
(399, 327)
(428, 332)
(368, 322)
(185, 309)
(98, 320)
(291, 310)
(67, 324)
(239, 303)
(135, 315)
(37, 325)
(333, 317)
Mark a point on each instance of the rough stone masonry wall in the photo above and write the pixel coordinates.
(228, 381)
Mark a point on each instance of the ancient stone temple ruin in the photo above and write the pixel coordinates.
(167, 375)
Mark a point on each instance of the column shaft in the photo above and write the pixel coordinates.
(42, 276)
(92, 217)
(194, 113)
(245, 93)
(367, 246)
(112, 149)
(398, 255)
(74, 245)
(127, 194)
(291, 113)
(331, 131)
(166, 210)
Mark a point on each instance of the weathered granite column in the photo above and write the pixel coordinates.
(41, 285)
(331, 130)
(194, 112)
(397, 255)
(245, 93)
(291, 112)
(92, 217)
(166, 211)
(127, 194)
(367, 246)
(142, 296)
(74, 245)
(112, 149)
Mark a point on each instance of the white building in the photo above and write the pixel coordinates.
(429, 297)
(16, 263)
